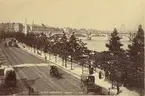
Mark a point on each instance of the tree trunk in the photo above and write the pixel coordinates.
(55, 58)
(34, 49)
(71, 63)
(62, 62)
(45, 56)
(65, 63)
(41, 51)
(49, 56)
(112, 79)
(112, 84)
(82, 68)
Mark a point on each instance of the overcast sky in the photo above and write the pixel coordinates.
(96, 14)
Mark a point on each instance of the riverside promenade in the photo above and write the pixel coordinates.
(77, 71)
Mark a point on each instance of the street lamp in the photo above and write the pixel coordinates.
(84, 57)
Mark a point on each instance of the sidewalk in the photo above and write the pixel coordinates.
(77, 71)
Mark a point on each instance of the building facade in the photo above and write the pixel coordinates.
(46, 30)
(11, 27)
(1, 26)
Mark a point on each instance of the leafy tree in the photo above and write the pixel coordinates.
(75, 47)
(136, 54)
(55, 47)
(137, 46)
(52, 46)
(114, 44)
(63, 48)
(49, 47)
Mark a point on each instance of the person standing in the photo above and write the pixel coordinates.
(45, 57)
(118, 89)
(100, 75)
(112, 78)
(106, 74)
(91, 70)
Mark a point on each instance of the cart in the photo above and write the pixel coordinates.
(54, 71)
(88, 83)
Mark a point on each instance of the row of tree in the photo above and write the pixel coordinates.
(125, 66)
(71, 49)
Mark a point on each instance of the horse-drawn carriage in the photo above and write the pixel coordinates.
(87, 83)
(8, 78)
(54, 71)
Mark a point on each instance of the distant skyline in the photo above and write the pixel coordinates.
(88, 14)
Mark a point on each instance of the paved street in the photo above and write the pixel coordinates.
(38, 77)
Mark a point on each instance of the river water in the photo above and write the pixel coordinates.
(98, 43)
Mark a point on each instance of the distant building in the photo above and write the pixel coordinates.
(43, 29)
(11, 27)
(1, 26)
(26, 28)
(37, 28)
(18, 27)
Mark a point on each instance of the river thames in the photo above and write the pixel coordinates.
(98, 43)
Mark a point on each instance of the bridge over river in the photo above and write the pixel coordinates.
(90, 35)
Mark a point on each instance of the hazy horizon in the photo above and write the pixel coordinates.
(88, 14)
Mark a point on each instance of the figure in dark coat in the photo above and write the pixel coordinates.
(106, 74)
(100, 75)
(118, 89)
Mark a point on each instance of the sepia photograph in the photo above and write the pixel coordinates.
(72, 47)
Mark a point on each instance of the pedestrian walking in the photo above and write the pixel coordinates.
(106, 74)
(112, 78)
(91, 69)
(100, 75)
(29, 90)
(124, 77)
(108, 91)
(109, 75)
(118, 89)
(45, 57)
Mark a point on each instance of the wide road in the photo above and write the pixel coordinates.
(38, 77)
